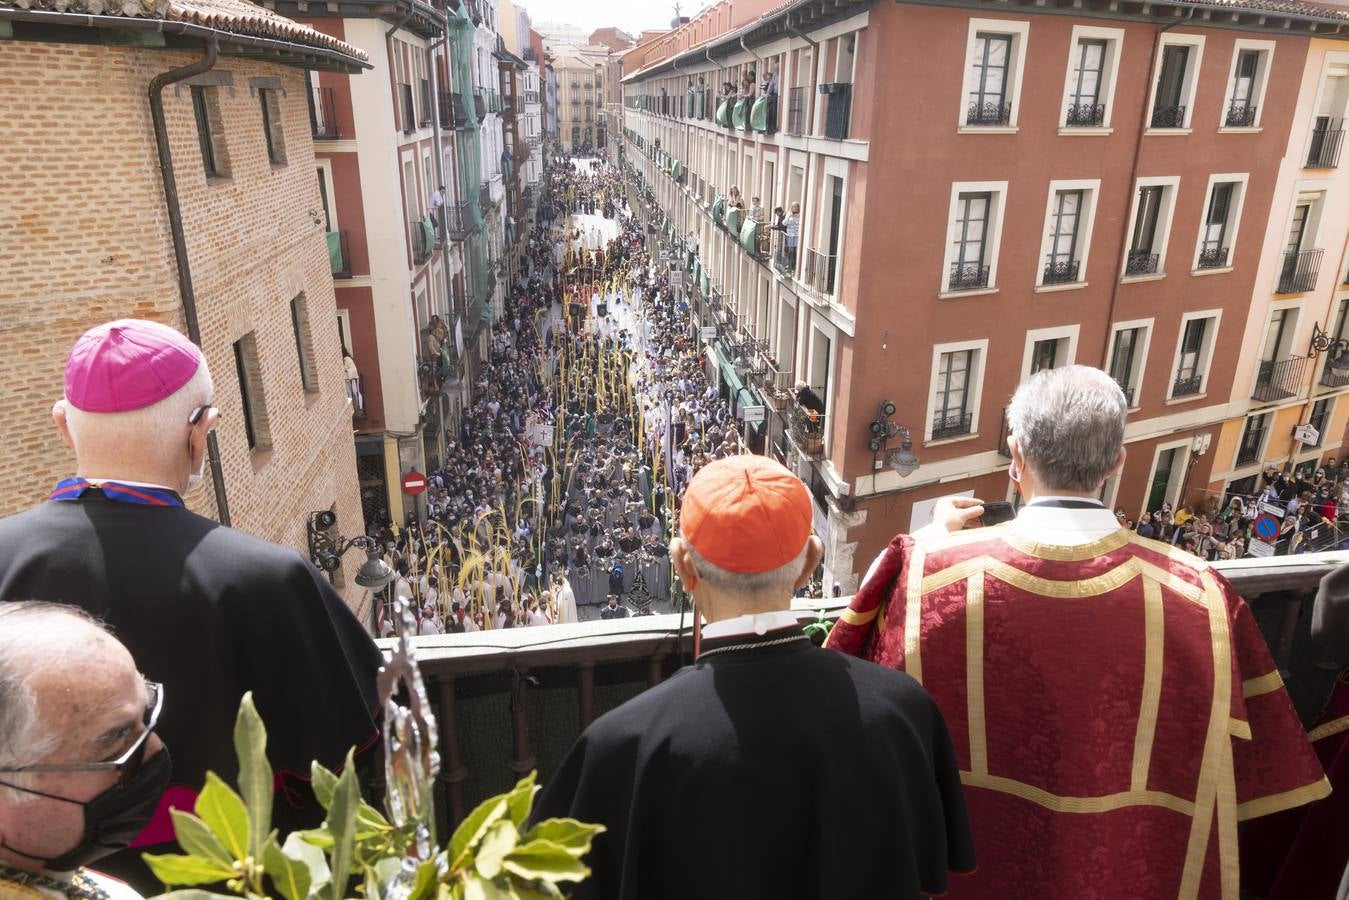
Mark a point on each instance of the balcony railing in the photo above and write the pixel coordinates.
(808, 429)
(1248, 454)
(1168, 117)
(423, 241)
(819, 271)
(1212, 258)
(796, 111)
(458, 223)
(1128, 392)
(1278, 379)
(1060, 271)
(1327, 139)
(504, 688)
(838, 110)
(323, 114)
(1330, 379)
(949, 425)
(424, 95)
(968, 276)
(1085, 115)
(480, 104)
(452, 112)
(1141, 262)
(1186, 385)
(784, 257)
(990, 112)
(1240, 114)
(339, 254)
(407, 112)
(1299, 271)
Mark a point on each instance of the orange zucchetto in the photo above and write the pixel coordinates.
(746, 514)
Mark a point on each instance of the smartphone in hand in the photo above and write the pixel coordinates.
(996, 512)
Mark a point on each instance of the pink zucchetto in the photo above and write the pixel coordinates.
(127, 365)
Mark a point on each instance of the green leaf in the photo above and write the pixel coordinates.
(198, 840)
(544, 861)
(521, 799)
(223, 812)
(500, 839)
(298, 848)
(370, 822)
(255, 773)
(425, 885)
(474, 826)
(341, 822)
(483, 889)
(324, 783)
(575, 836)
(194, 894)
(289, 876)
(180, 868)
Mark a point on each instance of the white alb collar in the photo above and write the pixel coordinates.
(752, 623)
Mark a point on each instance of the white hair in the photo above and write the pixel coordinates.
(779, 581)
(154, 430)
(29, 638)
(1069, 424)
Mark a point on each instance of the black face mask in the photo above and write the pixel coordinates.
(113, 818)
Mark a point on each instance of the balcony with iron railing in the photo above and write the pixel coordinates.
(458, 221)
(1141, 262)
(1330, 378)
(1240, 114)
(1324, 150)
(784, 256)
(988, 113)
(819, 271)
(480, 104)
(796, 111)
(406, 108)
(1299, 271)
(1212, 258)
(508, 700)
(452, 111)
(1187, 384)
(1084, 115)
(1278, 379)
(1059, 270)
(426, 110)
(947, 425)
(968, 276)
(1168, 117)
(808, 428)
(423, 241)
(1248, 453)
(838, 109)
(323, 114)
(1128, 392)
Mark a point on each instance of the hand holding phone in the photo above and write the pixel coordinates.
(996, 512)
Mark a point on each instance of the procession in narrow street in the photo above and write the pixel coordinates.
(559, 494)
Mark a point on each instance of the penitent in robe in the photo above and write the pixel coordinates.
(1114, 708)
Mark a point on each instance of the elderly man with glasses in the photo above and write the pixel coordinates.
(81, 768)
(208, 611)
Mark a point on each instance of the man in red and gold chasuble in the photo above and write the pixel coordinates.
(1114, 708)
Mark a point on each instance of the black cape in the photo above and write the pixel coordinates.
(785, 771)
(210, 612)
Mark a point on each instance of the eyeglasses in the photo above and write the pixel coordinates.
(130, 760)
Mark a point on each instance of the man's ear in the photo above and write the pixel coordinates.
(683, 563)
(814, 553)
(63, 426)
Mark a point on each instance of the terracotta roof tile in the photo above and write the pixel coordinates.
(231, 16)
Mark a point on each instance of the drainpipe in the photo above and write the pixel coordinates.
(1126, 232)
(794, 33)
(745, 47)
(175, 211)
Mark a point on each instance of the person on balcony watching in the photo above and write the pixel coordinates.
(81, 768)
(769, 767)
(208, 611)
(1105, 690)
(793, 232)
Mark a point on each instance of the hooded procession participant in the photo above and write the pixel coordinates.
(1114, 707)
(81, 768)
(743, 775)
(207, 611)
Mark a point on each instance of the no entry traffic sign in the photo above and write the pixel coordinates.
(414, 483)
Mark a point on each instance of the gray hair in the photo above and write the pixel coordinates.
(775, 581)
(28, 638)
(1069, 424)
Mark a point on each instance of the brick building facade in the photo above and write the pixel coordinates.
(88, 240)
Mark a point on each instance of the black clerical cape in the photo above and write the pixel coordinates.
(211, 613)
(783, 771)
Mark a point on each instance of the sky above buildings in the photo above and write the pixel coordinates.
(630, 15)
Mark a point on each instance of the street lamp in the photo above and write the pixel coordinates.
(326, 549)
(903, 460)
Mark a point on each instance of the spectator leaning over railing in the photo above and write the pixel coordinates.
(769, 768)
(1114, 707)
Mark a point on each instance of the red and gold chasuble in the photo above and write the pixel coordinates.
(1114, 708)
